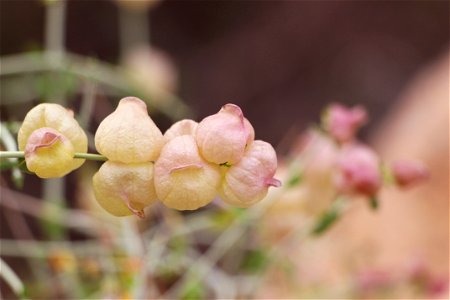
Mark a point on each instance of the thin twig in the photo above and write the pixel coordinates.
(34, 207)
(44, 249)
(12, 279)
(92, 69)
(21, 154)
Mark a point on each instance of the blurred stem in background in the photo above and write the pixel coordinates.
(88, 68)
(55, 29)
(53, 190)
(12, 279)
(134, 27)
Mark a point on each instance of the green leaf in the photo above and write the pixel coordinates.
(325, 222)
(330, 216)
(7, 164)
(294, 180)
(255, 261)
(193, 289)
(374, 203)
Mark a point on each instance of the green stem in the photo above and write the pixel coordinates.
(90, 156)
(12, 154)
(21, 154)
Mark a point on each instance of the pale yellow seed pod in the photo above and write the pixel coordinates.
(49, 154)
(247, 182)
(128, 134)
(56, 117)
(223, 137)
(124, 189)
(183, 127)
(183, 179)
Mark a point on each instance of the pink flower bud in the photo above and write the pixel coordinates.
(343, 123)
(409, 173)
(248, 181)
(183, 127)
(358, 171)
(49, 154)
(223, 137)
(129, 135)
(183, 179)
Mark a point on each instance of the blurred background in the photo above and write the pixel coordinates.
(282, 62)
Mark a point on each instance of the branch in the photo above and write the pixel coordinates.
(21, 154)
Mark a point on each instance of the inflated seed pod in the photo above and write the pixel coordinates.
(223, 137)
(183, 127)
(358, 171)
(48, 153)
(124, 189)
(343, 122)
(128, 134)
(183, 179)
(247, 182)
(49, 131)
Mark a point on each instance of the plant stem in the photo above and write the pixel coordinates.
(12, 154)
(90, 156)
(21, 154)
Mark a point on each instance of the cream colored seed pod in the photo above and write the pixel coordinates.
(124, 189)
(183, 127)
(184, 180)
(247, 182)
(56, 117)
(128, 134)
(49, 154)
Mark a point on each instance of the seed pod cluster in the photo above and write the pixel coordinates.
(190, 165)
(186, 168)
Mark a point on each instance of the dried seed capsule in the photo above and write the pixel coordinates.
(124, 189)
(49, 154)
(128, 134)
(409, 173)
(183, 127)
(358, 171)
(183, 179)
(247, 182)
(223, 137)
(342, 122)
(49, 135)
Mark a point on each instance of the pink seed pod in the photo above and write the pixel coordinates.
(49, 154)
(248, 181)
(223, 137)
(183, 127)
(53, 117)
(183, 179)
(358, 171)
(124, 189)
(128, 134)
(408, 173)
(342, 122)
